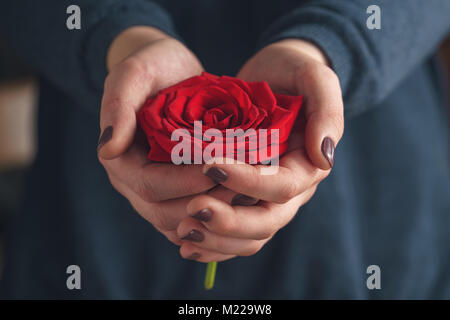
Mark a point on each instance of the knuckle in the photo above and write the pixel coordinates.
(254, 179)
(323, 175)
(148, 213)
(162, 221)
(225, 226)
(266, 233)
(102, 161)
(115, 184)
(115, 105)
(180, 230)
(132, 65)
(255, 176)
(319, 71)
(109, 78)
(329, 74)
(316, 176)
(274, 223)
(198, 203)
(312, 71)
(172, 237)
(183, 227)
(146, 190)
(251, 250)
(310, 194)
(219, 244)
(315, 71)
(286, 192)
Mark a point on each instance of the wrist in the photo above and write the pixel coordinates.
(131, 40)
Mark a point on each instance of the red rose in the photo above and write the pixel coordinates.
(221, 103)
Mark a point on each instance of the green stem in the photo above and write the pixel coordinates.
(210, 275)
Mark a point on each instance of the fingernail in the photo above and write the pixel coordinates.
(105, 137)
(194, 256)
(194, 236)
(243, 200)
(328, 150)
(203, 215)
(217, 175)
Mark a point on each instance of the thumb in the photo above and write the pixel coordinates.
(324, 121)
(118, 128)
(124, 94)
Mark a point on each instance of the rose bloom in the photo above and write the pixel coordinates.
(220, 103)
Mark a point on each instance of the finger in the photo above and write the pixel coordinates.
(192, 252)
(254, 222)
(324, 113)
(164, 216)
(126, 89)
(229, 196)
(294, 175)
(155, 182)
(191, 230)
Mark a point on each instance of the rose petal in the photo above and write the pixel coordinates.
(262, 96)
(222, 103)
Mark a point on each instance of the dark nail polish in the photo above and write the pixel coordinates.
(217, 175)
(328, 150)
(194, 236)
(203, 215)
(194, 256)
(105, 137)
(243, 200)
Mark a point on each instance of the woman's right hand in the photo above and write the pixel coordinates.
(143, 60)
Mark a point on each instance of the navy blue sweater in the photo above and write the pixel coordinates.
(386, 202)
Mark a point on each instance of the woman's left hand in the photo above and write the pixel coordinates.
(219, 227)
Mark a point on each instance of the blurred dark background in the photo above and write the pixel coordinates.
(18, 94)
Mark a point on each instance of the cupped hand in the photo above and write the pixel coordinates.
(219, 230)
(143, 60)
